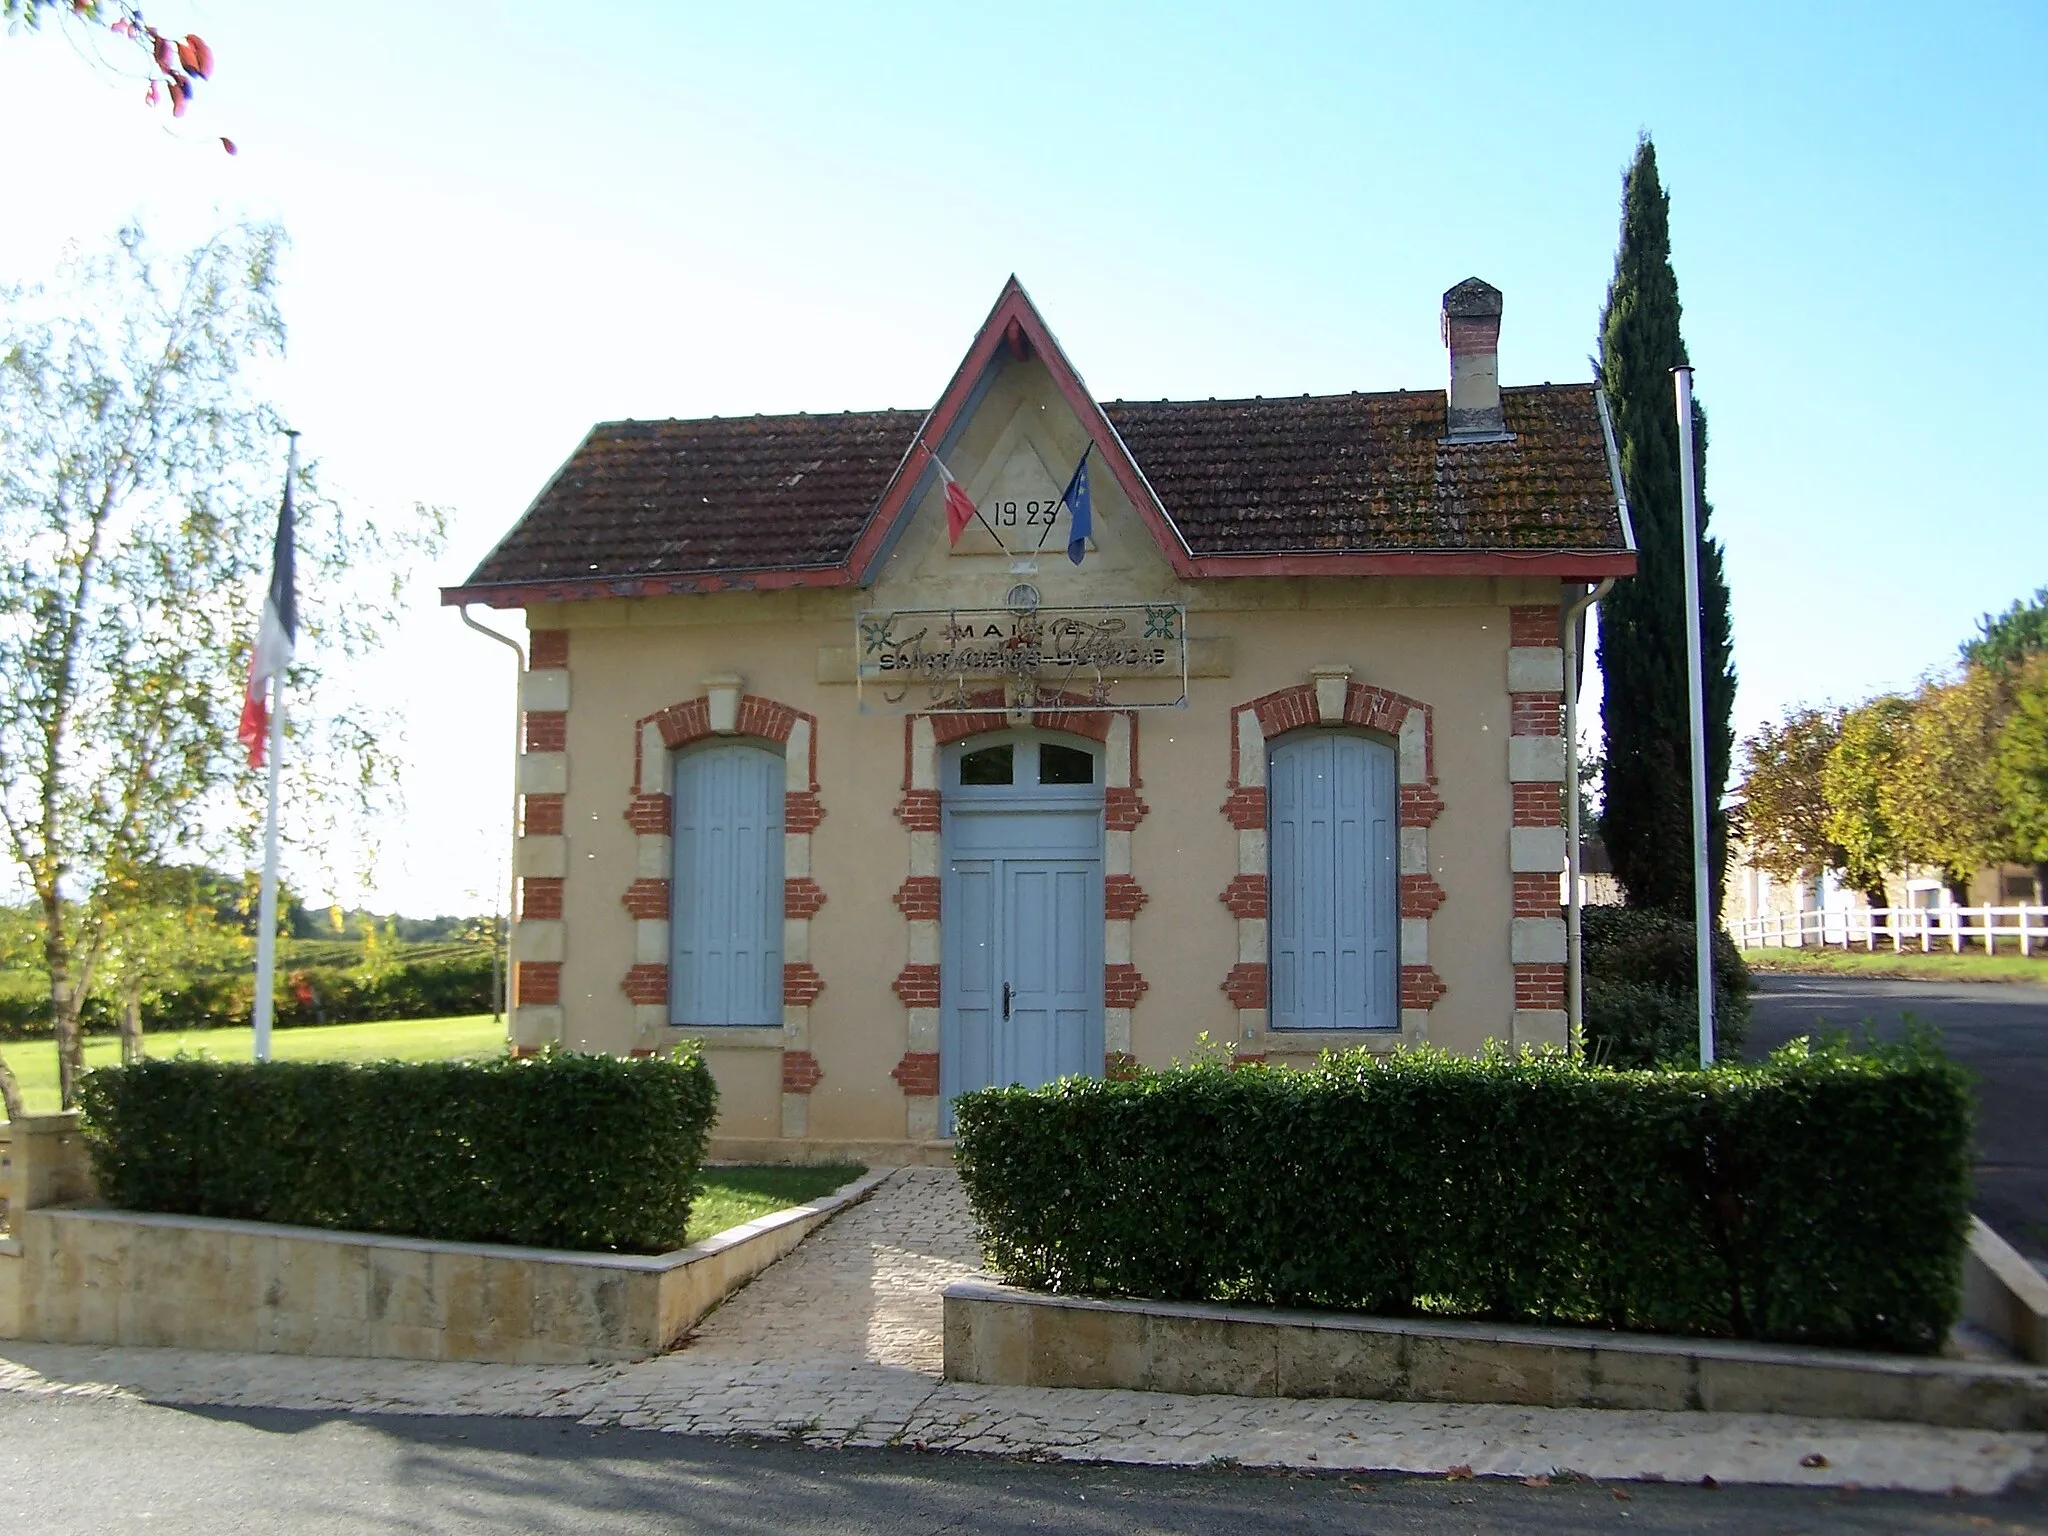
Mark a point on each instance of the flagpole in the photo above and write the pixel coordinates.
(266, 920)
(1695, 688)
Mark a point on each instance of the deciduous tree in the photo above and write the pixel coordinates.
(1864, 757)
(2006, 640)
(140, 464)
(1785, 807)
(172, 66)
(1647, 817)
(2021, 765)
(1941, 796)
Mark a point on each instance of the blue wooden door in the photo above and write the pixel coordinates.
(1021, 951)
(1049, 992)
(726, 965)
(1335, 907)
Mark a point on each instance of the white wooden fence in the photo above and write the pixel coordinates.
(2017, 929)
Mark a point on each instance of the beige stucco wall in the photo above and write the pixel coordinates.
(1443, 642)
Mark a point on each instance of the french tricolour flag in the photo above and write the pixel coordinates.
(274, 639)
(959, 506)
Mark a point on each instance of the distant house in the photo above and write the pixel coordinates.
(884, 809)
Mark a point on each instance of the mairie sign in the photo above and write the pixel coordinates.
(1024, 660)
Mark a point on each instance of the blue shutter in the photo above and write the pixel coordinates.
(726, 913)
(1334, 905)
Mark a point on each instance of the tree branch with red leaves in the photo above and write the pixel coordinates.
(172, 65)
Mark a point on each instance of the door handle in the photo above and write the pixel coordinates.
(1006, 1002)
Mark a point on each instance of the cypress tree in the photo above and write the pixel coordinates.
(1647, 818)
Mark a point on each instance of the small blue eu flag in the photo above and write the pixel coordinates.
(1076, 499)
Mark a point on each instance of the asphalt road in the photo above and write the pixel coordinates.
(1999, 1030)
(95, 1465)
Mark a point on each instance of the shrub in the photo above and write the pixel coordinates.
(1641, 1008)
(556, 1151)
(1820, 1197)
(436, 982)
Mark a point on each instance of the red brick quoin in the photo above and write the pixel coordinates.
(540, 896)
(543, 815)
(548, 648)
(1121, 896)
(1538, 805)
(1421, 986)
(800, 1072)
(1536, 895)
(918, 986)
(1245, 896)
(800, 983)
(917, 1074)
(1420, 896)
(918, 898)
(1245, 986)
(1535, 624)
(801, 897)
(540, 981)
(547, 730)
(1536, 714)
(1539, 986)
(1121, 986)
(647, 898)
(646, 984)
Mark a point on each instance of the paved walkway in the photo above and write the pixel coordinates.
(839, 1344)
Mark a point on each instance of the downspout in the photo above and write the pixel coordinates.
(512, 861)
(1574, 941)
(1574, 966)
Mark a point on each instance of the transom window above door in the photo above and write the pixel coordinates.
(1024, 762)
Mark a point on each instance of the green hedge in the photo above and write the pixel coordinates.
(556, 1151)
(433, 986)
(1641, 1008)
(1819, 1198)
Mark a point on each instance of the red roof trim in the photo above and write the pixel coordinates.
(1570, 564)
(523, 594)
(1015, 312)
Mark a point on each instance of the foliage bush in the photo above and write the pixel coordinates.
(436, 981)
(1819, 1198)
(1641, 1008)
(556, 1151)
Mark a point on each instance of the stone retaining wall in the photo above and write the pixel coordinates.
(996, 1335)
(92, 1276)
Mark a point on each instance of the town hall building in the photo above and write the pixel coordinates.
(892, 754)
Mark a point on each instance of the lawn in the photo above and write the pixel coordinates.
(1910, 965)
(35, 1061)
(730, 1196)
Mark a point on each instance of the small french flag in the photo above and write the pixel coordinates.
(959, 506)
(275, 638)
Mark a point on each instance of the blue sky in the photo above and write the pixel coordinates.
(509, 222)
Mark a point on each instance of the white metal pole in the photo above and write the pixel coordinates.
(518, 743)
(1702, 898)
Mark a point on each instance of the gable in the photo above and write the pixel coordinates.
(1345, 485)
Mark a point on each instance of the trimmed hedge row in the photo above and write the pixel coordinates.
(1820, 1198)
(304, 994)
(556, 1151)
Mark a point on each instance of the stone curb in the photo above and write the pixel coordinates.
(998, 1335)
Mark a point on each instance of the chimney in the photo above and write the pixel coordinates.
(1472, 332)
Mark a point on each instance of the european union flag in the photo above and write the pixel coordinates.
(1076, 499)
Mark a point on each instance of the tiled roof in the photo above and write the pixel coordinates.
(644, 498)
(1371, 472)
(1238, 477)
